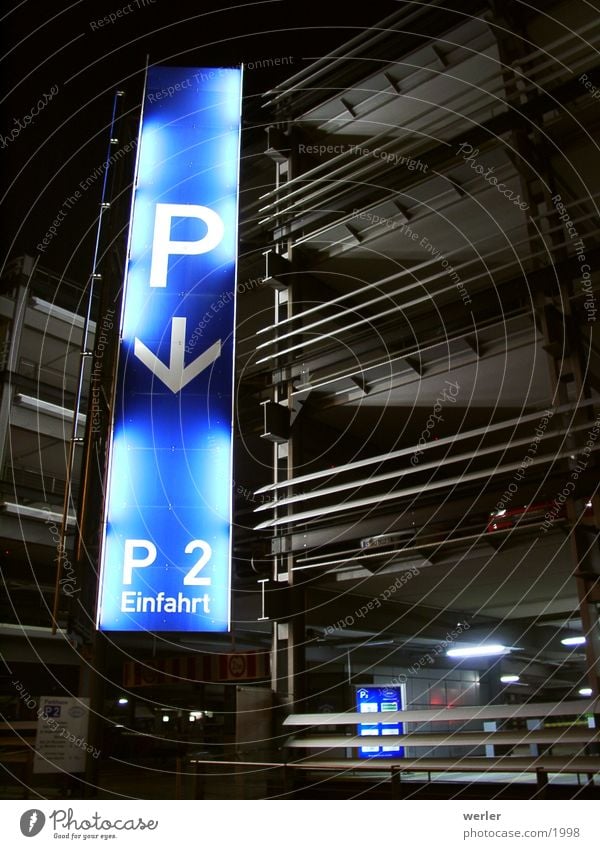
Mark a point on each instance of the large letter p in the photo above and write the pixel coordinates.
(131, 562)
(163, 246)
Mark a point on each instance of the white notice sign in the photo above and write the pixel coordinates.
(61, 738)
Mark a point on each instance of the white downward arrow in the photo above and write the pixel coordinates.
(176, 375)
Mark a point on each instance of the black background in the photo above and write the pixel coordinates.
(46, 44)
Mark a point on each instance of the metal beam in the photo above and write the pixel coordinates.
(451, 714)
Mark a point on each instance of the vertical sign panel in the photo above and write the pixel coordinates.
(371, 700)
(167, 534)
(61, 735)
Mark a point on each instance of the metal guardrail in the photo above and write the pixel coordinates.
(529, 710)
(349, 769)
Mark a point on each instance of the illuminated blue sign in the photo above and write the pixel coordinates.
(374, 700)
(166, 550)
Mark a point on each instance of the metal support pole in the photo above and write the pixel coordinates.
(542, 783)
(565, 354)
(12, 363)
(396, 783)
(84, 354)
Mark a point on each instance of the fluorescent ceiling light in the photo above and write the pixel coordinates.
(27, 512)
(71, 318)
(490, 650)
(13, 629)
(573, 641)
(509, 679)
(585, 691)
(29, 402)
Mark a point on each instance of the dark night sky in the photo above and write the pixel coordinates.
(62, 45)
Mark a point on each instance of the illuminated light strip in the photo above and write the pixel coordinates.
(415, 490)
(400, 274)
(26, 512)
(437, 367)
(324, 64)
(357, 558)
(491, 650)
(430, 131)
(404, 452)
(433, 128)
(321, 68)
(28, 402)
(445, 713)
(479, 452)
(436, 342)
(392, 311)
(419, 739)
(70, 318)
